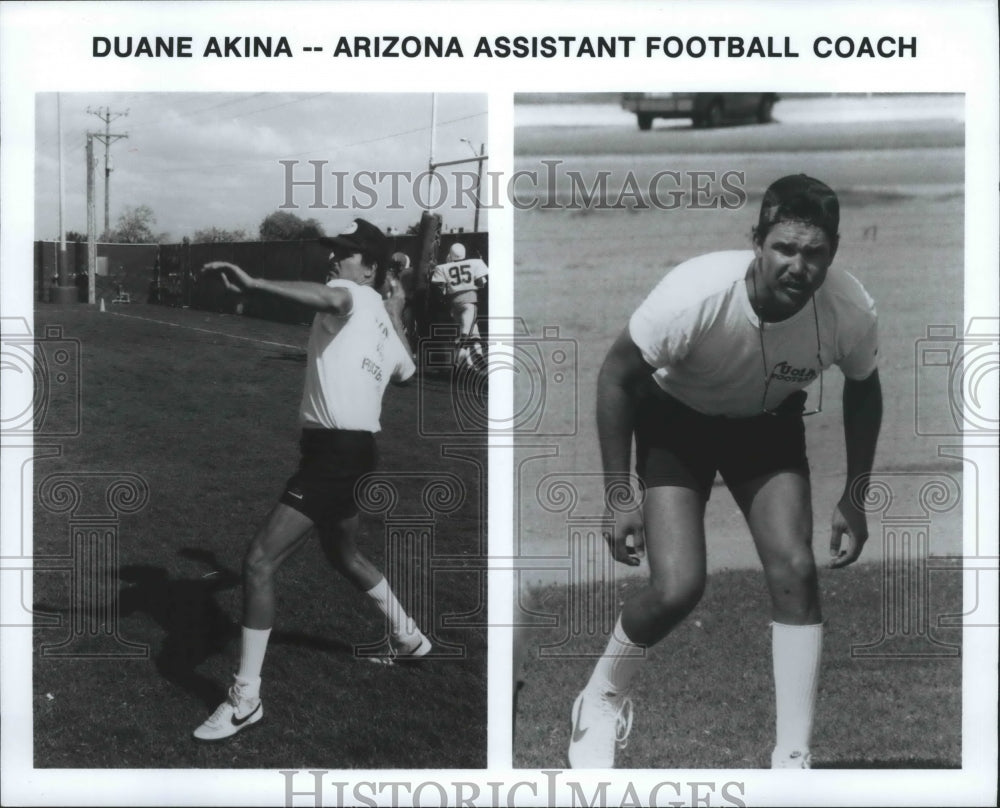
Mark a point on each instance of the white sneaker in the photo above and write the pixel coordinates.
(398, 649)
(791, 760)
(239, 711)
(601, 724)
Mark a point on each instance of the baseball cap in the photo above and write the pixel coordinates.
(359, 236)
(800, 198)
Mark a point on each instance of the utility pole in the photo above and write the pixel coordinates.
(64, 290)
(430, 162)
(106, 115)
(62, 268)
(479, 185)
(91, 224)
(479, 159)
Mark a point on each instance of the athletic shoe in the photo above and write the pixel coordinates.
(791, 760)
(399, 649)
(237, 712)
(601, 724)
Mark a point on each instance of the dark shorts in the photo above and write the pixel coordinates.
(679, 446)
(333, 460)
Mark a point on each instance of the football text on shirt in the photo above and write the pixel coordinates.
(783, 372)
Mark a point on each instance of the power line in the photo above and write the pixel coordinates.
(207, 169)
(161, 122)
(195, 112)
(107, 139)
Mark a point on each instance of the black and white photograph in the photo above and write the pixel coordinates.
(487, 404)
(265, 515)
(707, 256)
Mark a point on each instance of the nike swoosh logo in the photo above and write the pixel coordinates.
(239, 722)
(577, 732)
(293, 494)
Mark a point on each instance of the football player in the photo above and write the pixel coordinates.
(460, 281)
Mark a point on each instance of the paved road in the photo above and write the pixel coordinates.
(790, 109)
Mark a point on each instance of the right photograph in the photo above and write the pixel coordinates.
(738, 473)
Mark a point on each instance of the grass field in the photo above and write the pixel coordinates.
(705, 697)
(202, 407)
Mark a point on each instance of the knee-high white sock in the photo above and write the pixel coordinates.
(621, 660)
(400, 624)
(252, 655)
(796, 651)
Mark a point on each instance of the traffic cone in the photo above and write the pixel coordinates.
(102, 304)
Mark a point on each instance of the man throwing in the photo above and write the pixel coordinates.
(355, 348)
(459, 280)
(709, 376)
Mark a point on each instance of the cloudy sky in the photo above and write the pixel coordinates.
(212, 159)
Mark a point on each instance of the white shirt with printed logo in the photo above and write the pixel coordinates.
(459, 276)
(351, 359)
(698, 329)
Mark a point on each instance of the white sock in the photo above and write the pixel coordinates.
(621, 661)
(400, 624)
(252, 655)
(796, 651)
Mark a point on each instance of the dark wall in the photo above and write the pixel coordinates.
(170, 274)
(130, 268)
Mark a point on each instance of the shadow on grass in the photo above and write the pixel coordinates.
(300, 640)
(196, 627)
(288, 356)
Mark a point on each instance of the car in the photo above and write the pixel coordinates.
(704, 109)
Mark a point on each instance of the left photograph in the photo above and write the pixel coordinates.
(259, 418)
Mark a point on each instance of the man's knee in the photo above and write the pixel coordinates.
(676, 599)
(257, 564)
(799, 565)
(793, 573)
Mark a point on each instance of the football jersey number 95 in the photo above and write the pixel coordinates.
(459, 276)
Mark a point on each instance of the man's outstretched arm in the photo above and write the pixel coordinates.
(316, 296)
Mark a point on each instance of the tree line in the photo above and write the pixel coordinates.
(136, 226)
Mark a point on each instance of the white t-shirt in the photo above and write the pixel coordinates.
(351, 359)
(698, 329)
(459, 276)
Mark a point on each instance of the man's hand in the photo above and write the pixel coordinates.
(394, 299)
(394, 296)
(235, 279)
(625, 535)
(848, 520)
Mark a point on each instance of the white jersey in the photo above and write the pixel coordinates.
(459, 276)
(351, 359)
(698, 328)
